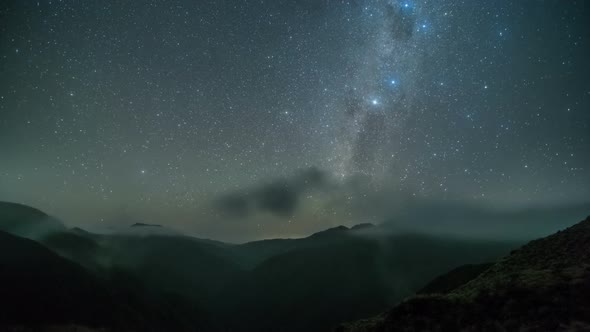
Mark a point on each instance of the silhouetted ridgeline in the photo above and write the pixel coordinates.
(543, 286)
(142, 280)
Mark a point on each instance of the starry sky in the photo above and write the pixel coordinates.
(239, 120)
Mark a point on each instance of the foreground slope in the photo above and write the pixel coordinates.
(454, 278)
(543, 286)
(39, 287)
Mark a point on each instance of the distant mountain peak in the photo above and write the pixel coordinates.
(140, 224)
(331, 231)
(343, 229)
(337, 229)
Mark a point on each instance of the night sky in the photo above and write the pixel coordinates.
(240, 120)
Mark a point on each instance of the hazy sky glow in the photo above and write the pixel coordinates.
(247, 119)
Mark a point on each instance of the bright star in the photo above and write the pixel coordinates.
(374, 102)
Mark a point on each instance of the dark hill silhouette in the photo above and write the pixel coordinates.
(331, 231)
(74, 245)
(26, 221)
(39, 290)
(39, 287)
(140, 224)
(336, 275)
(543, 286)
(197, 269)
(340, 274)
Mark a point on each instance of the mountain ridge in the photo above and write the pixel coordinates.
(339, 274)
(543, 285)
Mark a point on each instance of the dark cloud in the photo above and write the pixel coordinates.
(234, 204)
(279, 197)
(353, 104)
(314, 200)
(401, 21)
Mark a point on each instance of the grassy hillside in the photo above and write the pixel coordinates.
(543, 286)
